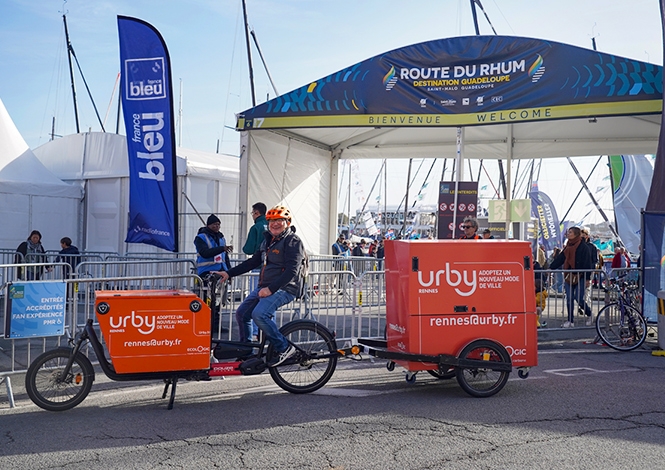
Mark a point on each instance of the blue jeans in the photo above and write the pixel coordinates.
(575, 293)
(262, 311)
(253, 284)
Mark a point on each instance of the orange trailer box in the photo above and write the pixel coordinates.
(154, 331)
(443, 294)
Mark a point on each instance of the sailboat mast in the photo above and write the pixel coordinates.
(71, 74)
(249, 54)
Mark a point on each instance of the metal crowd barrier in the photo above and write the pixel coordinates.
(596, 296)
(350, 304)
(8, 256)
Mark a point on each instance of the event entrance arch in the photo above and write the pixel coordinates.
(514, 98)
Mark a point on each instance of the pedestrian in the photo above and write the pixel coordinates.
(68, 249)
(253, 244)
(338, 246)
(212, 255)
(575, 256)
(33, 253)
(359, 249)
(557, 277)
(470, 227)
(281, 255)
(487, 234)
(541, 303)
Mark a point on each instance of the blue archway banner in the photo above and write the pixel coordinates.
(466, 81)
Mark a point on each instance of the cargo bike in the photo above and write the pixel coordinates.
(463, 309)
(166, 335)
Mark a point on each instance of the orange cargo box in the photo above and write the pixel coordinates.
(443, 294)
(154, 331)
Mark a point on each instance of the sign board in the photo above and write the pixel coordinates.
(35, 309)
(467, 206)
(497, 210)
(520, 210)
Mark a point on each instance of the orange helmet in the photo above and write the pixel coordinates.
(279, 212)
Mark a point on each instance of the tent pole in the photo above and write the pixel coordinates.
(458, 175)
(507, 182)
(406, 197)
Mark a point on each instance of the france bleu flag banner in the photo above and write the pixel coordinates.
(147, 102)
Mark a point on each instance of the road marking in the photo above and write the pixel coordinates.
(575, 371)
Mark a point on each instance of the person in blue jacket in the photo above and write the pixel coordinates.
(212, 255)
(211, 248)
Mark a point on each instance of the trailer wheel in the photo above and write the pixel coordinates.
(480, 381)
(411, 377)
(522, 374)
(390, 365)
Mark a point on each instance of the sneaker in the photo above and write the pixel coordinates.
(589, 321)
(290, 351)
(568, 324)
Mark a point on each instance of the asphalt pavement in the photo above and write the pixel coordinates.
(584, 406)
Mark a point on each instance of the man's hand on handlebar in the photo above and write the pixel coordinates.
(223, 275)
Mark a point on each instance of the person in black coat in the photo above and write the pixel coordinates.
(575, 255)
(33, 252)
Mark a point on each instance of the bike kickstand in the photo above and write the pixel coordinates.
(173, 381)
(167, 382)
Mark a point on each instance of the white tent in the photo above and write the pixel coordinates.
(207, 183)
(508, 97)
(31, 196)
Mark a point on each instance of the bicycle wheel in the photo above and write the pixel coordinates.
(50, 389)
(621, 332)
(480, 381)
(314, 363)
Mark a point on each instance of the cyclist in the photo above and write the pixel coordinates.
(281, 256)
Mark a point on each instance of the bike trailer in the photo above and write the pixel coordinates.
(154, 331)
(444, 294)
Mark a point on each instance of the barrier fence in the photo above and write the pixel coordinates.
(347, 295)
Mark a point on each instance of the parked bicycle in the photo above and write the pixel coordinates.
(620, 324)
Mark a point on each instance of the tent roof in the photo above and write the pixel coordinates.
(104, 155)
(20, 170)
(527, 97)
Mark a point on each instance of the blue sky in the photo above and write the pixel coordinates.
(301, 40)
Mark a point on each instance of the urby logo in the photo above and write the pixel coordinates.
(145, 79)
(390, 78)
(144, 324)
(453, 278)
(537, 69)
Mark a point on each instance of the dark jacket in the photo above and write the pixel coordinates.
(582, 258)
(205, 260)
(255, 235)
(35, 271)
(71, 260)
(281, 257)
